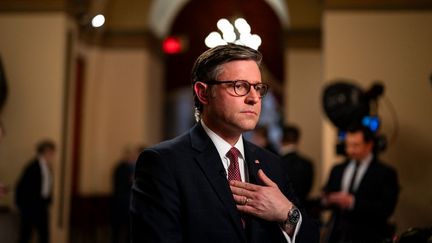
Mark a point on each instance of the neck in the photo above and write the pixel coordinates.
(225, 134)
(288, 148)
(366, 157)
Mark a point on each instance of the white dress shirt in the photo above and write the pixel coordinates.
(46, 178)
(223, 147)
(349, 171)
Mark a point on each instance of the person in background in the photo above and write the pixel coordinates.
(3, 190)
(260, 138)
(122, 183)
(210, 184)
(33, 193)
(298, 168)
(362, 192)
(3, 98)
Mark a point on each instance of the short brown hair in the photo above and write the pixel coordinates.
(45, 145)
(207, 65)
(291, 134)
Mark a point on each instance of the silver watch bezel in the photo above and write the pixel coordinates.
(293, 217)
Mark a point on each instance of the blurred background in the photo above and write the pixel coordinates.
(99, 85)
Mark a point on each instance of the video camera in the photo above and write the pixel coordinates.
(345, 103)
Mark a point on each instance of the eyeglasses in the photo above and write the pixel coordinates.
(242, 87)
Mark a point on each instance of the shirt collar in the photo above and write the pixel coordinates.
(290, 148)
(42, 161)
(221, 145)
(365, 161)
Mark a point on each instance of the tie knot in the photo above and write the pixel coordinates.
(233, 153)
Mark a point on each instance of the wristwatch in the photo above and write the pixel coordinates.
(292, 218)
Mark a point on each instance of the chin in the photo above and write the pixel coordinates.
(249, 126)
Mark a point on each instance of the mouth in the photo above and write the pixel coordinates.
(249, 112)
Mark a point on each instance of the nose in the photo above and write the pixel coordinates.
(252, 97)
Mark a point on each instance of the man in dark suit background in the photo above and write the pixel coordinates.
(209, 184)
(3, 98)
(122, 183)
(33, 193)
(298, 168)
(362, 191)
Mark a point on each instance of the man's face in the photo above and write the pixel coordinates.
(228, 113)
(49, 155)
(355, 146)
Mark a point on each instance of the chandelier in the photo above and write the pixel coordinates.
(238, 33)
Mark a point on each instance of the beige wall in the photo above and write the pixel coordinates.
(303, 102)
(122, 106)
(33, 51)
(394, 47)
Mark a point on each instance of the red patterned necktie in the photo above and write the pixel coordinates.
(233, 168)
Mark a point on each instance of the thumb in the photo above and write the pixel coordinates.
(263, 177)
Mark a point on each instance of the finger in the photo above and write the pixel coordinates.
(250, 210)
(242, 200)
(333, 197)
(241, 192)
(263, 177)
(244, 185)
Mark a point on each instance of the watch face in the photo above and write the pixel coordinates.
(294, 216)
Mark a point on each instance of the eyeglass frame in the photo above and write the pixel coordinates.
(233, 82)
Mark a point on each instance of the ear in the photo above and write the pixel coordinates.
(200, 89)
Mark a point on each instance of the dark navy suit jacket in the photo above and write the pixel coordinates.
(28, 190)
(181, 194)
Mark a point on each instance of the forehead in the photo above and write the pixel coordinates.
(240, 69)
(355, 137)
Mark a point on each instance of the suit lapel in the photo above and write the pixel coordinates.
(252, 163)
(209, 161)
(366, 177)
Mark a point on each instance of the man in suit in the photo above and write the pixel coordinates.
(298, 168)
(122, 183)
(362, 191)
(3, 98)
(210, 184)
(33, 193)
(260, 137)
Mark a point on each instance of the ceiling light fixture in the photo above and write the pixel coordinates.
(239, 33)
(98, 21)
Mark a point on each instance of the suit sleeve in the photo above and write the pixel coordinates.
(27, 192)
(332, 184)
(307, 180)
(308, 232)
(155, 204)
